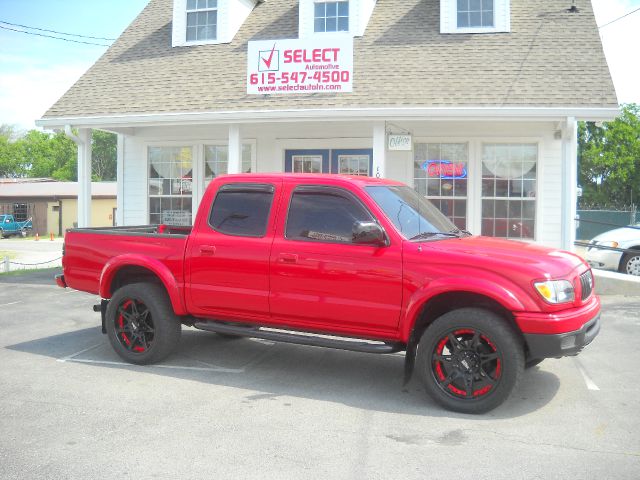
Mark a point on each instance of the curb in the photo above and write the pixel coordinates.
(613, 283)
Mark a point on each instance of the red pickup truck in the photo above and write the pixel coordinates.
(353, 263)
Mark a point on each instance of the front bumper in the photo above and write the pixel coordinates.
(60, 281)
(562, 344)
(605, 259)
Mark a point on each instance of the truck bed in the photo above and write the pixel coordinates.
(89, 250)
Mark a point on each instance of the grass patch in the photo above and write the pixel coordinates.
(27, 271)
(5, 253)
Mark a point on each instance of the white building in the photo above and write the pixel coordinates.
(484, 95)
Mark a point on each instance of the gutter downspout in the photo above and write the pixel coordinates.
(83, 141)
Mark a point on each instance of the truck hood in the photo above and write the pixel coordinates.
(505, 257)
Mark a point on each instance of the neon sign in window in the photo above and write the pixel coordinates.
(445, 169)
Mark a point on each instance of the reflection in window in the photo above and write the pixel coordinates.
(306, 163)
(331, 16)
(202, 20)
(170, 185)
(324, 216)
(242, 212)
(475, 13)
(216, 161)
(440, 174)
(509, 190)
(353, 165)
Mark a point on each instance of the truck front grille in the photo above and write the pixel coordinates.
(586, 281)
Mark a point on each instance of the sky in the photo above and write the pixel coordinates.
(36, 71)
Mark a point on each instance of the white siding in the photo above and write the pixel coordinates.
(272, 139)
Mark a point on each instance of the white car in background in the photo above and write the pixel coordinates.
(623, 238)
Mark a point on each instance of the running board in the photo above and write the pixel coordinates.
(299, 339)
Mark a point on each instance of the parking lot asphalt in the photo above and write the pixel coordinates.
(220, 408)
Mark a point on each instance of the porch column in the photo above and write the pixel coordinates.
(120, 181)
(569, 182)
(379, 150)
(84, 177)
(235, 150)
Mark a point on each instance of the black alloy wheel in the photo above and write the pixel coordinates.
(141, 324)
(470, 360)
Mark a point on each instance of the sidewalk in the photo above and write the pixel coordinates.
(27, 253)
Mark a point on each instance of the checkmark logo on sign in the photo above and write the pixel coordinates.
(269, 60)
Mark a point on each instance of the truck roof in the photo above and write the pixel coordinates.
(325, 178)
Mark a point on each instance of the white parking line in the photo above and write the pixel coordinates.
(210, 368)
(172, 367)
(7, 304)
(587, 380)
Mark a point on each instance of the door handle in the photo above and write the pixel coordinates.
(207, 250)
(288, 258)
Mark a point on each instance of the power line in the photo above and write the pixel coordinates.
(620, 18)
(54, 31)
(51, 36)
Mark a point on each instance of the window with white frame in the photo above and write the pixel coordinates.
(216, 161)
(353, 165)
(170, 185)
(475, 13)
(440, 174)
(509, 182)
(475, 16)
(331, 16)
(306, 163)
(202, 20)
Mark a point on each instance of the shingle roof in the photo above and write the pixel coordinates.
(551, 58)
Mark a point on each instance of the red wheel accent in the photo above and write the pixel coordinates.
(466, 364)
(134, 327)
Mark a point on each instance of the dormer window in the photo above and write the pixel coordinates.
(475, 16)
(208, 22)
(475, 13)
(331, 16)
(202, 20)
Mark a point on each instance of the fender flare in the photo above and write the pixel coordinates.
(508, 298)
(156, 267)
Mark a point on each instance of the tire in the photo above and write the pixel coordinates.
(532, 362)
(470, 360)
(141, 324)
(631, 264)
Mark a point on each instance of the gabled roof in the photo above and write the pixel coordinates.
(551, 58)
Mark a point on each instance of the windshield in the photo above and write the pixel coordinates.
(413, 215)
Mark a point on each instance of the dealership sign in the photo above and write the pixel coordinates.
(318, 65)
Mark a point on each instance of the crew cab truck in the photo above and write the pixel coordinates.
(353, 263)
(9, 226)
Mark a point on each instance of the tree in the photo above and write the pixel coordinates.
(9, 163)
(46, 155)
(609, 160)
(103, 156)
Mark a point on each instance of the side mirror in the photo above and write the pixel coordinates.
(369, 233)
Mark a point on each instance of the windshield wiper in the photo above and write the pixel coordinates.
(433, 234)
(458, 231)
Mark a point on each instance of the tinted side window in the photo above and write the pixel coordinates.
(324, 216)
(242, 210)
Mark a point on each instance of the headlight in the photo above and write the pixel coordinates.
(556, 291)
